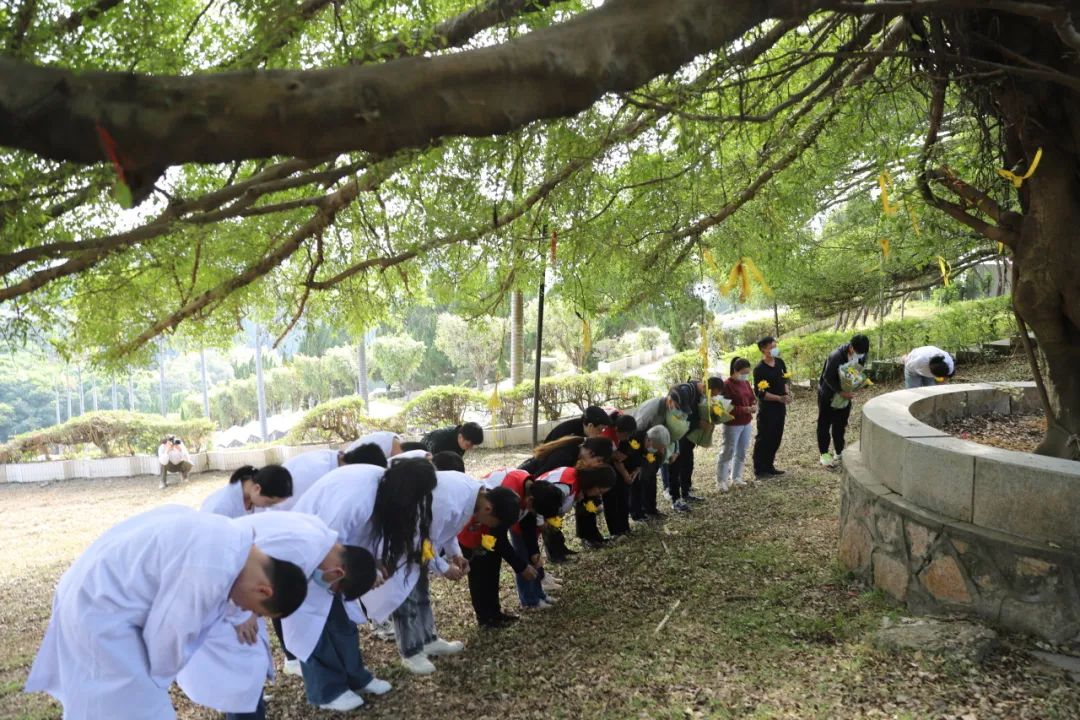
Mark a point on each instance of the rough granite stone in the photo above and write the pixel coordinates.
(856, 546)
(957, 640)
(891, 575)
(943, 579)
(919, 540)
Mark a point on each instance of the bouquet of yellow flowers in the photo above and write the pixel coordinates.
(852, 377)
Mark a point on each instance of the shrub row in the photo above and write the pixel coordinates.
(113, 432)
(953, 328)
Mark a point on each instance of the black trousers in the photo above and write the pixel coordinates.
(281, 639)
(588, 528)
(643, 493)
(681, 471)
(554, 543)
(831, 422)
(617, 508)
(770, 432)
(484, 567)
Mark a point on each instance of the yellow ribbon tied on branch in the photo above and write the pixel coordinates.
(946, 270)
(707, 256)
(740, 276)
(704, 350)
(884, 181)
(885, 248)
(1018, 180)
(494, 402)
(586, 336)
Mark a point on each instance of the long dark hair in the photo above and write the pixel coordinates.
(543, 450)
(402, 507)
(273, 480)
(737, 364)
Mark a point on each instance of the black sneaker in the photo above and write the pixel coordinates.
(598, 544)
(690, 497)
(508, 619)
(774, 471)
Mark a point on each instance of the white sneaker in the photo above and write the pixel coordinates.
(344, 702)
(418, 664)
(376, 687)
(827, 460)
(548, 577)
(724, 486)
(292, 667)
(438, 646)
(740, 483)
(550, 584)
(542, 605)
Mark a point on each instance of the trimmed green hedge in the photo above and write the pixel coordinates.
(442, 405)
(339, 420)
(953, 328)
(561, 395)
(113, 432)
(679, 367)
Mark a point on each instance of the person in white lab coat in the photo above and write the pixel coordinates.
(387, 511)
(250, 489)
(228, 672)
(388, 442)
(456, 500)
(306, 469)
(132, 610)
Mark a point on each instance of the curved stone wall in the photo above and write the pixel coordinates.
(947, 525)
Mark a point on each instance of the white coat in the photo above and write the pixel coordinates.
(344, 499)
(306, 469)
(452, 504)
(227, 501)
(226, 674)
(133, 609)
(383, 438)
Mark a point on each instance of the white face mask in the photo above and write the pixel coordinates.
(745, 377)
(775, 352)
(319, 580)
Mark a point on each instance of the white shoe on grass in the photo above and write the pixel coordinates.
(376, 687)
(827, 460)
(438, 646)
(740, 483)
(418, 664)
(344, 702)
(292, 667)
(550, 584)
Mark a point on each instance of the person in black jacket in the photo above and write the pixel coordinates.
(833, 421)
(591, 424)
(454, 439)
(770, 385)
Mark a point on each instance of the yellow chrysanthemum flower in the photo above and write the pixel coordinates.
(487, 542)
(763, 385)
(635, 444)
(590, 506)
(427, 552)
(650, 457)
(555, 522)
(940, 379)
(787, 375)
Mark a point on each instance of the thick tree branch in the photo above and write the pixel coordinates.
(76, 19)
(552, 72)
(318, 223)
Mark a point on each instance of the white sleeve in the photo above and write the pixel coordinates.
(162, 454)
(452, 548)
(190, 602)
(439, 565)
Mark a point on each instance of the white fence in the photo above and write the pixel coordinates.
(223, 460)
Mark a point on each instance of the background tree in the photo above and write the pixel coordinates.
(397, 358)
(474, 346)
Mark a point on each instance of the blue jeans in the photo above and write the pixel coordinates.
(336, 664)
(530, 592)
(258, 713)
(914, 380)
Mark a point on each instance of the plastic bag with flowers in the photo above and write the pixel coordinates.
(716, 411)
(852, 377)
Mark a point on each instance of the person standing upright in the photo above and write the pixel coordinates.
(770, 386)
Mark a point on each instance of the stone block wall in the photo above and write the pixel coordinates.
(937, 564)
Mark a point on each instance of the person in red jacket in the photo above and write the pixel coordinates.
(486, 548)
(737, 389)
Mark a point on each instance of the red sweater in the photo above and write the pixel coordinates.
(742, 398)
